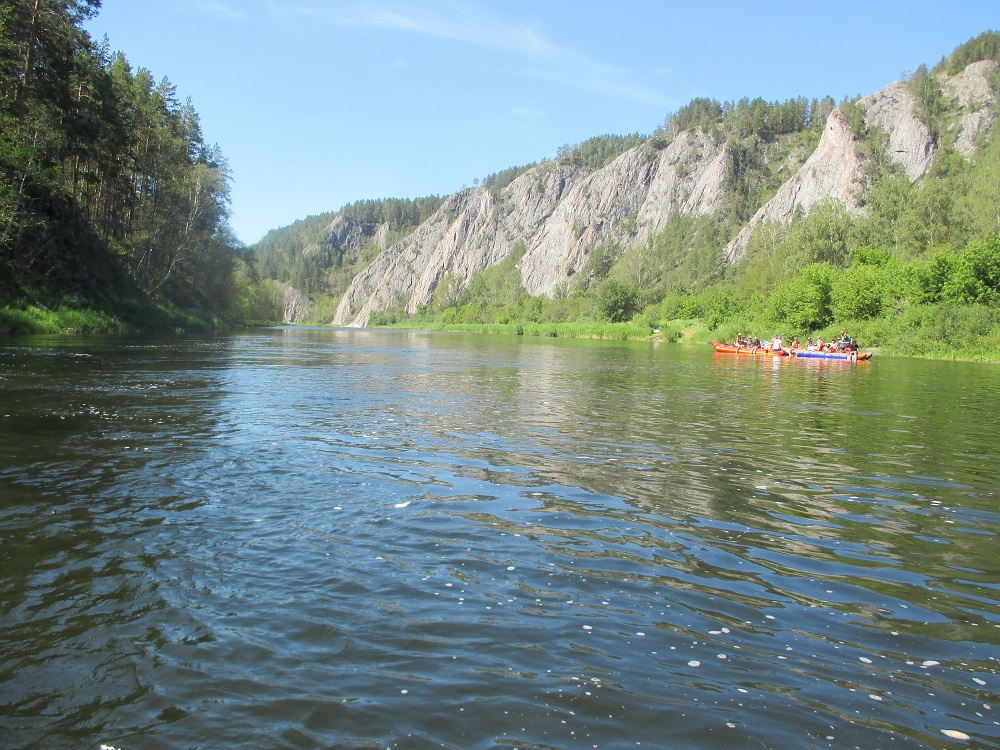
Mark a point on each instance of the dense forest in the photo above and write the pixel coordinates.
(112, 206)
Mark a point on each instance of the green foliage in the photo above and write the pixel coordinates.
(855, 117)
(746, 118)
(107, 188)
(499, 180)
(34, 319)
(499, 285)
(927, 277)
(986, 46)
(398, 213)
(594, 153)
(969, 331)
(600, 261)
(888, 200)
(776, 254)
(975, 275)
(700, 113)
(448, 292)
(804, 302)
(931, 104)
(686, 254)
(823, 236)
(858, 293)
(978, 192)
(275, 247)
(618, 300)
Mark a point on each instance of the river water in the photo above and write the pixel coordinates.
(305, 538)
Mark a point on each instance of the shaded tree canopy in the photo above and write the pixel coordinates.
(103, 170)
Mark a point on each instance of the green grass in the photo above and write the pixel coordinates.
(966, 332)
(583, 329)
(32, 318)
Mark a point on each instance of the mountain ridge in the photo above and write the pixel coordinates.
(556, 213)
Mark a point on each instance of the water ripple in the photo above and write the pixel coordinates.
(368, 539)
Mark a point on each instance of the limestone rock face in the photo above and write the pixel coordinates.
(689, 179)
(977, 102)
(833, 170)
(472, 230)
(893, 110)
(345, 236)
(557, 210)
(589, 215)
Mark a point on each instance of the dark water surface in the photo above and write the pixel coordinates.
(369, 539)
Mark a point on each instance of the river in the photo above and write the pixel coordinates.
(323, 538)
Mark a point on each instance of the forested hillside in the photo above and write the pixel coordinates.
(880, 213)
(110, 199)
(310, 263)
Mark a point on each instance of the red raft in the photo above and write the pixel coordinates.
(759, 352)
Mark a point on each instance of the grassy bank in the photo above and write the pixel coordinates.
(960, 332)
(34, 318)
(585, 329)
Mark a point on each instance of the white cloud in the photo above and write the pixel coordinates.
(469, 23)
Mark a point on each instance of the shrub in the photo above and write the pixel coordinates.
(618, 300)
(858, 293)
(975, 276)
(803, 302)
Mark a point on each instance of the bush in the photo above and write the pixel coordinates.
(618, 300)
(943, 328)
(859, 293)
(804, 302)
(975, 276)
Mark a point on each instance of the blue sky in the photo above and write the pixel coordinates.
(317, 103)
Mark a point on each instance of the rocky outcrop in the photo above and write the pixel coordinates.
(689, 180)
(977, 103)
(626, 201)
(558, 212)
(346, 237)
(893, 110)
(471, 231)
(833, 170)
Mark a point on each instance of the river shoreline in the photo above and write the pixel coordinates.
(17, 321)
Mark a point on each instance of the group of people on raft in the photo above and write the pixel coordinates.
(845, 344)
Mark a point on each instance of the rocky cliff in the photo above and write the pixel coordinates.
(558, 212)
(835, 170)
(346, 237)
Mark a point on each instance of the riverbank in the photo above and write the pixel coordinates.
(71, 317)
(966, 333)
